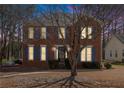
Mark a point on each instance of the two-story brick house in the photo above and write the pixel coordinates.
(41, 44)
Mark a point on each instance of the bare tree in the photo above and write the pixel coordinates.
(57, 16)
(12, 18)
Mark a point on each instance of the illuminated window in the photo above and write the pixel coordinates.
(31, 32)
(83, 33)
(89, 33)
(56, 53)
(43, 53)
(62, 33)
(43, 33)
(86, 32)
(66, 56)
(30, 53)
(83, 56)
(89, 54)
(86, 54)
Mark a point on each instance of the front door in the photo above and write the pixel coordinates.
(61, 54)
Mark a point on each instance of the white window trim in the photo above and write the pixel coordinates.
(56, 53)
(89, 34)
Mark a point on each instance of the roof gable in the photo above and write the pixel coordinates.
(120, 37)
(117, 37)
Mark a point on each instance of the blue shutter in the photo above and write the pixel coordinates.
(46, 33)
(37, 33)
(26, 53)
(93, 54)
(93, 32)
(46, 54)
(35, 56)
(38, 53)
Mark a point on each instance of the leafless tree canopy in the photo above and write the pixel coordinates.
(12, 18)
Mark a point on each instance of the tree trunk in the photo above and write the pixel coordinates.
(74, 72)
(74, 68)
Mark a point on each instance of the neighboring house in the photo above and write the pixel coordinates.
(114, 49)
(38, 52)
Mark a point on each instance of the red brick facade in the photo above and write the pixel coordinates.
(37, 42)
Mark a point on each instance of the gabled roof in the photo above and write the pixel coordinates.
(120, 37)
(64, 19)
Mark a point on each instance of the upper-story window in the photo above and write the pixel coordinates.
(89, 32)
(83, 33)
(43, 32)
(30, 32)
(86, 33)
(123, 53)
(61, 33)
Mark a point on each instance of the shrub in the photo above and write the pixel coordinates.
(67, 64)
(18, 61)
(108, 65)
(91, 65)
(4, 61)
(53, 64)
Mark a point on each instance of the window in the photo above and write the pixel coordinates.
(110, 53)
(89, 54)
(56, 53)
(116, 55)
(43, 53)
(89, 33)
(30, 53)
(43, 33)
(31, 32)
(86, 54)
(123, 53)
(62, 33)
(83, 55)
(83, 33)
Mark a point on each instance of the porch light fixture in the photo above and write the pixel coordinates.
(68, 48)
(53, 48)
